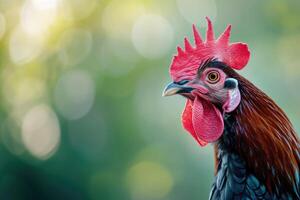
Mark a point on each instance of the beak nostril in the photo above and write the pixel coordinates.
(182, 82)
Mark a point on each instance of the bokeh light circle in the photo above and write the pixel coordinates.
(22, 47)
(38, 16)
(152, 36)
(149, 180)
(45, 4)
(74, 94)
(41, 131)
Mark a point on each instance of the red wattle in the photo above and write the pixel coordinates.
(203, 120)
(207, 120)
(187, 122)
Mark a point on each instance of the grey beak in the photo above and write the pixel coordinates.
(175, 88)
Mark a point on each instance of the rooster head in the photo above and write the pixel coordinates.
(198, 74)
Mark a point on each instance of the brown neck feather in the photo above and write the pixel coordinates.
(265, 137)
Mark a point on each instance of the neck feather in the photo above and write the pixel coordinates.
(261, 134)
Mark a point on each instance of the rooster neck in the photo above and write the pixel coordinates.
(234, 172)
(228, 140)
(227, 143)
(259, 132)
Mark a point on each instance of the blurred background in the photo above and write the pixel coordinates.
(81, 111)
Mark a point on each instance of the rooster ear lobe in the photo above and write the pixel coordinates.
(238, 55)
(234, 95)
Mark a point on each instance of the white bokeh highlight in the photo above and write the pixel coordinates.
(74, 94)
(41, 131)
(22, 47)
(152, 36)
(45, 4)
(37, 16)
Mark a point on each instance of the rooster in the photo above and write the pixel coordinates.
(256, 147)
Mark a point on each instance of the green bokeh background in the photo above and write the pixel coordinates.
(81, 111)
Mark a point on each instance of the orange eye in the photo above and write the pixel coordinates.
(213, 77)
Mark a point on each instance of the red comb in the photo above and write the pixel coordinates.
(187, 61)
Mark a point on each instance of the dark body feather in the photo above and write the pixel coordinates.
(257, 156)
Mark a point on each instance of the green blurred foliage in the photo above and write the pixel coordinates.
(81, 111)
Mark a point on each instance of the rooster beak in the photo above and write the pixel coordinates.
(176, 88)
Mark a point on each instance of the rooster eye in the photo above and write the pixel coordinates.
(213, 77)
